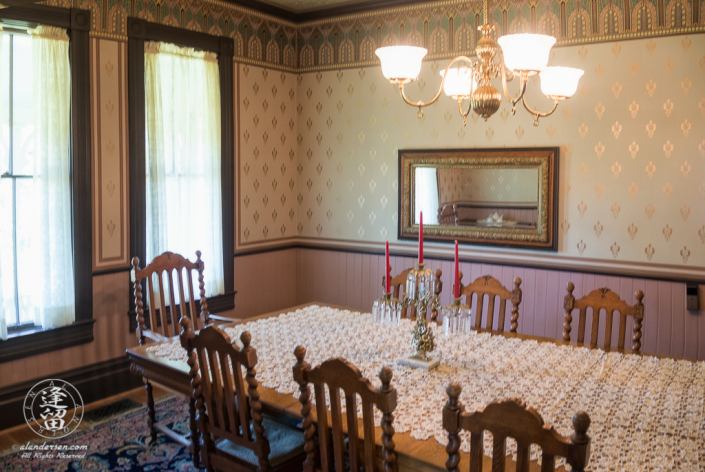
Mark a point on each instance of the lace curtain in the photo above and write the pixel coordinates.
(182, 113)
(53, 244)
(53, 301)
(3, 321)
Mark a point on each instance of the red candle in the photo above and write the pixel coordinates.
(386, 267)
(420, 237)
(457, 273)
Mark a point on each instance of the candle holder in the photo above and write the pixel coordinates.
(456, 317)
(421, 293)
(386, 310)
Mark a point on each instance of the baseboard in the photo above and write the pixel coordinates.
(94, 382)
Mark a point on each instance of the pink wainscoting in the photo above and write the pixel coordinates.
(265, 282)
(111, 336)
(355, 280)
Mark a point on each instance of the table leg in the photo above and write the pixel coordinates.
(150, 411)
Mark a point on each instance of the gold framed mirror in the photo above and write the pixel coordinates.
(498, 197)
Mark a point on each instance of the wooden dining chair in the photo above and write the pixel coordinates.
(604, 299)
(398, 287)
(512, 419)
(232, 433)
(493, 289)
(163, 320)
(338, 374)
(448, 215)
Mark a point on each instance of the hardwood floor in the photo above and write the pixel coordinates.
(21, 434)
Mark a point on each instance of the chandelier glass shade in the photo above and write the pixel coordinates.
(526, 52)
(458, 82)
(400, 63)
(518, 56)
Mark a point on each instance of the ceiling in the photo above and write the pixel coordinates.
(307, 10)
(305, 6)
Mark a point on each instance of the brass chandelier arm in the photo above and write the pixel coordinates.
(537, 113)
(422, 104)
(523, 79)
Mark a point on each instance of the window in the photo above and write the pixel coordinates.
(45, 181)
(139, 33)
(16, 179)
(183, 157)
(36, 251)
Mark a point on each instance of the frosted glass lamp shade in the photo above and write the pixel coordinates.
(459, 82)
(401, 63)
(526, 52)
(560, 82)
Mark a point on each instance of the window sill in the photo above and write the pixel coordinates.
(30, 343)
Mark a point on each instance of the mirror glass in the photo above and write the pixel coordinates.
(493, 196)
(466, 196)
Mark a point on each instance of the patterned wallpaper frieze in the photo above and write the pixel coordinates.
(259, 38)
(445, 28)
(632, 164)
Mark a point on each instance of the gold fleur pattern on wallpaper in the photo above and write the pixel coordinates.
(268, 150)
(625, 160)
(109, 153)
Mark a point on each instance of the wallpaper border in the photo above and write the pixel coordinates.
(446, 28)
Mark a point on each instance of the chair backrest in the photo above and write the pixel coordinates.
(222, 406)
(512, 418)
(338, 374)
(488, 285)
(398, 287)
(448, 215)
(604, 299)
(165, 321)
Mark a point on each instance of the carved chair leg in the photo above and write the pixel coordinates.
(152, 416)
(194, 432)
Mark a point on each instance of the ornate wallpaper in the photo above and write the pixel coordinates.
(267, 197)
(446, 28)
(108, 66)
(487, 185)
(632, 164)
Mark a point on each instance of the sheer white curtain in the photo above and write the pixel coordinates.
(182, 112)
(426, 195)
(3, 321)
(54, 303)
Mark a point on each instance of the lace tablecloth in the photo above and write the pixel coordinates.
(647, 413)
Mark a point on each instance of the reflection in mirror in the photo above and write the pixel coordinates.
(493, 196)
(482, 197)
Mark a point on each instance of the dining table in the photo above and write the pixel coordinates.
(647, 411)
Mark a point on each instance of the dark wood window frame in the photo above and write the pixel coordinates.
(78, 24)
(139, 31)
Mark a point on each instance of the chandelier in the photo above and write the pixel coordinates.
(517, 56)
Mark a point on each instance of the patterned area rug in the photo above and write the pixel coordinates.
(119, 444)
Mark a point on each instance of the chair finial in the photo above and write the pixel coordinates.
(453, 390)
(385, 375)
(245, 337)
(300, 353)
(581, 423)
(185, 324)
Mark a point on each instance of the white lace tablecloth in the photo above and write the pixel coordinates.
(647, 413)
